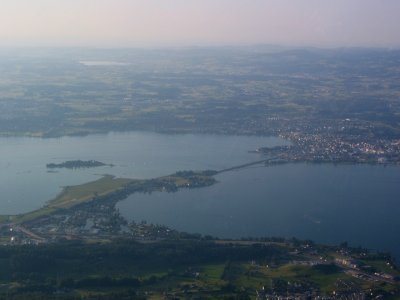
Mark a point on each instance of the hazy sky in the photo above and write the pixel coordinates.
(125, 23)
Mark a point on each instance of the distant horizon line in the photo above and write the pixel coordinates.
(194, 46)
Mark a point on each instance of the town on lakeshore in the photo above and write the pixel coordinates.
(319, 149)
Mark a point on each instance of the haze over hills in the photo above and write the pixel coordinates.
(199, 149)
(136, 23)
(55, 93)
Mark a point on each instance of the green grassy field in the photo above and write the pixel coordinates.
(212, 274)
(4, 219)
(45, 211)
(74, 195)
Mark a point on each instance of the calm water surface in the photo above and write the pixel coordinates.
(326, 203)
(25, 183)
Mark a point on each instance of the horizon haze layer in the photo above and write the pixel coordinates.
(156, 23)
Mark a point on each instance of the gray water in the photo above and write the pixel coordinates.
(26, 184)
(324, 203)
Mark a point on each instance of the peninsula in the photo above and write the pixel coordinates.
(111, 251)
(106, 190)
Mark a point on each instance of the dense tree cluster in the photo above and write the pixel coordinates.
(66, 266)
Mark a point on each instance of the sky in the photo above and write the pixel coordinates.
(132, 23)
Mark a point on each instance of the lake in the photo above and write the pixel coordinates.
(325, 203)
(26, 184)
